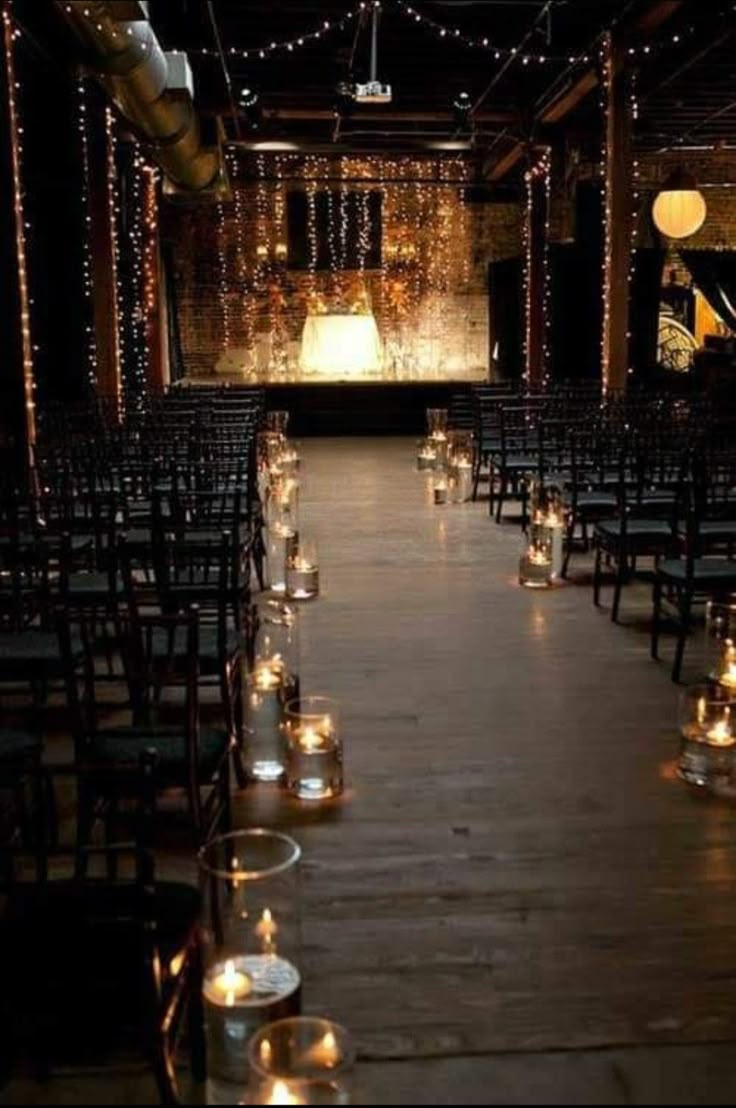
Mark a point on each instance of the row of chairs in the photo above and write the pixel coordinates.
(126, 570)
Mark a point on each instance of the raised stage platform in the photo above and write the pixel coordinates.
(355, 408)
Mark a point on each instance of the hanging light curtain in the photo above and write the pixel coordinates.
(680, 209)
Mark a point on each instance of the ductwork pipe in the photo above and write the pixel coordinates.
(127, 59)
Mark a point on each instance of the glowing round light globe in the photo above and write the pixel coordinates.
(680, 209)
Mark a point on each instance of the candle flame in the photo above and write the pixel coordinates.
(280, 1094)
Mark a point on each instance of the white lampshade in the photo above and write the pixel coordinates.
(680, 209)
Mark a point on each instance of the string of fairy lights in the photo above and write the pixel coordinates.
(452, 35)
(541, 170)
(114, 215)
(605, 61)
(636, 201)
(87, 257)
(11, 34)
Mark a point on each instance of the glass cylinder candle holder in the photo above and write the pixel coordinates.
(461, 446)
(290, 461)
(441, 491)
(708, 730)
(536, 569)
(437, 421)
(301, 1061)
(283, 501)
(277, 643)
(252, 949)
(720, 642)
(427, 455)
(280, 541)
(461, 481)
(264, 752)
(302, 572)
(314, 751)
(278, 423)
(270, 449)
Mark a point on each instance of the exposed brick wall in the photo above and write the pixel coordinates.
(237, 307)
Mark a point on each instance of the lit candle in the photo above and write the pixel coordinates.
(538, 557)
(281, 1094)
(267, 930)
(269, 674)
(311, 740)
(325, 1053)
(721, 734)
(728, 677)
(228, 985)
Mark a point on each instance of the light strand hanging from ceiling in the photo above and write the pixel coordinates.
(547, 273)
(344, 203)
(114, 212)
(289, 46)
(606, 75)
(528, 57)
(635, 203)
(87, 270)
(11, 34)
(223, 284)
(151, 273)
(137, 362)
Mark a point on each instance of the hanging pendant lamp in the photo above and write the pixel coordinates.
(680, 208)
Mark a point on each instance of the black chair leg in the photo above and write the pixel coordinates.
(683, 632)
(620, 579)
(568, 547)
(502, 491)
(656, 618)
(197, 1036)
(597, 574)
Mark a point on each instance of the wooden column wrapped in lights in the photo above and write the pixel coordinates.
(536, 270)
(17, 383)
(104, 254)
(618, 185)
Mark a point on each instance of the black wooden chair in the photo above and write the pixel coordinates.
(693, 578)
(162, 655)
(641, 529)
(91, 963)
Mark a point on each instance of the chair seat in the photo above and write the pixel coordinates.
(519, 462)
(705, 570)
(34, 649)
(597, 501)
(18, 746)
(209, 643)
(714, 530)
(124, 747)
(86, 585)
(637, 529)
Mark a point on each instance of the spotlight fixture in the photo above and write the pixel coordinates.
(250, 104)
(248, 98)
(374, 91)
(680, 209)
(462, 106)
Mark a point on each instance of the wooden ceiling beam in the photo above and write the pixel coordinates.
(567, 98)
(381, 116)
(507, 162)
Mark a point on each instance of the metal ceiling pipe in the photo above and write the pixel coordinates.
(127, 59)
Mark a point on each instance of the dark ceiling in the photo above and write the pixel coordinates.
(426, 71)
(684, 62)
(687, 79)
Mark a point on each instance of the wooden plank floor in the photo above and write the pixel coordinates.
(516, 902)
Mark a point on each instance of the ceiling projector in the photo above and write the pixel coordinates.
(372, 93)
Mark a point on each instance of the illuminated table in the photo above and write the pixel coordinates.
(341, 346)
